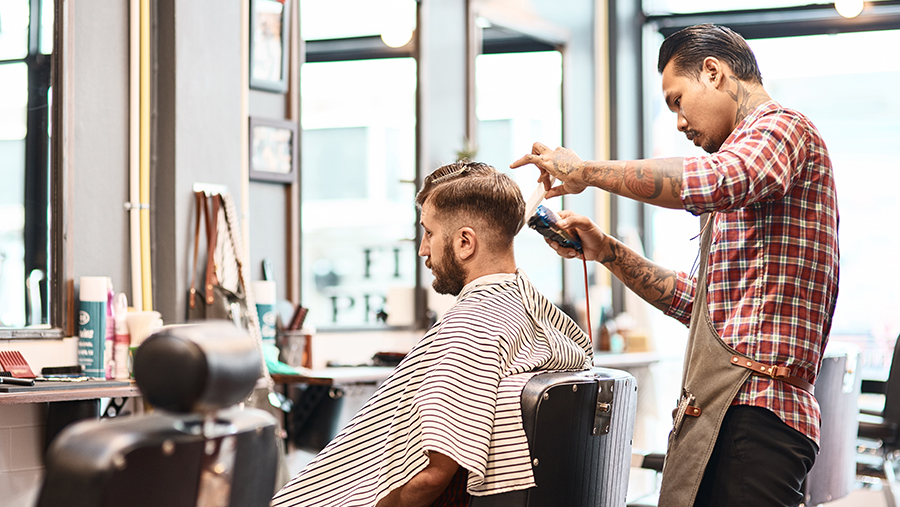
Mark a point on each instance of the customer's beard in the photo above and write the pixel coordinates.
(449, 276)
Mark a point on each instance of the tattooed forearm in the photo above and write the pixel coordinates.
(604, 175)
(652, 283)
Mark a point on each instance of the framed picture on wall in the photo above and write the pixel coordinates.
(269, 38)
(273, 150)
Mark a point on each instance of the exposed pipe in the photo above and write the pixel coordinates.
(146, 281)
(245, 128)
(134, 137)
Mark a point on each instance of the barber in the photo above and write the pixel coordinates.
(746, 430)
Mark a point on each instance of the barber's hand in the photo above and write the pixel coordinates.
(561, 163)
(593, 240)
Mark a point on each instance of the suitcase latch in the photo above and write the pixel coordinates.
(603, 410)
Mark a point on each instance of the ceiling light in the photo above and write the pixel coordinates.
(397, 37)
(849, 8)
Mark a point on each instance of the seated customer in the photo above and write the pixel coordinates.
(450, 412)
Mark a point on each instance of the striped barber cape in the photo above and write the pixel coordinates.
(457, 393)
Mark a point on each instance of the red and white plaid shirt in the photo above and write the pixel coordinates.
(774, 261)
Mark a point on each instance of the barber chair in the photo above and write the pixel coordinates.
(882, 430)
(579, 427)
(837, 390)
(196, 448)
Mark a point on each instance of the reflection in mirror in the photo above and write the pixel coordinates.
(26, 44)
(358, 162)
(512, 115)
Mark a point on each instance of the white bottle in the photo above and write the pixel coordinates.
(123, 338)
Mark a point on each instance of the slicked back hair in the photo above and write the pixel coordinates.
(476, 191)
(688, 47)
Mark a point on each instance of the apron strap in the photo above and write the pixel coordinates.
(781, 373)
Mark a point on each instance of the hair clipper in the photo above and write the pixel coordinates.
(544, 221)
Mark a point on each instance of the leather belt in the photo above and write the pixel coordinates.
(781, 373)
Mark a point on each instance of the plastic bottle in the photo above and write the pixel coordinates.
(123, 338)
(92, 324)
(110, 334)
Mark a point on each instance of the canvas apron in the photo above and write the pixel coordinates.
(713, 375)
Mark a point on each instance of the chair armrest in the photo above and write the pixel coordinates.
(650, 461)
(873, 387)
(885, 431)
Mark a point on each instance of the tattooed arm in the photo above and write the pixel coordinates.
(654, 181)
(652, 282)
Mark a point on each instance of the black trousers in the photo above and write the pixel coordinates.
(758, 460)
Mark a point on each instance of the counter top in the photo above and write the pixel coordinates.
(71, 392)
(337, 375)
(625, 360)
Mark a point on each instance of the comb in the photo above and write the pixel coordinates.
(298, 318)
(13, 362)
(536, 198)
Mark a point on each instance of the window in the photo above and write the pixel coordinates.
(511, 116)
(26, 39)
(843, 84)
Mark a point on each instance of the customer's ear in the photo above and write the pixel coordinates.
(465, 243)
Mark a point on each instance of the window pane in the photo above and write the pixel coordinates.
(511, 117)
(849, 93)
(358, 172)
(12, 239)
(358, 18)
(13, 106)
(13, 29)
(46, 26)
(14, 90)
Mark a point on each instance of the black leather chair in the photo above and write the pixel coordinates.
(196, 448)
(882, 429)
(579, 427)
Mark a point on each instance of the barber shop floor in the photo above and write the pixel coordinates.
(865, 497)
(860, 498)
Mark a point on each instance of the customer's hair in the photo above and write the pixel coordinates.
(688, 47)
(477, 191)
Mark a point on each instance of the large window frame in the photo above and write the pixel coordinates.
(492, 31)
(752, 24)
(45, 181)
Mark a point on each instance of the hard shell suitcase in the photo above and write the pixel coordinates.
(579, 427)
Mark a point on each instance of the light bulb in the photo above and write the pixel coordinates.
(849, 8)
(397, 37)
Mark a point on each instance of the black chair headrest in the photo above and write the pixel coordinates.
(200, 367)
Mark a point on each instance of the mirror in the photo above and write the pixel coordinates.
(510, 115)
(26, 208)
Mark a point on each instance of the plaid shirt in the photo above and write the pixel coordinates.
(773, 265)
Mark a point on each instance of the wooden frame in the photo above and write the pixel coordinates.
(270, 34)
(273, 150)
